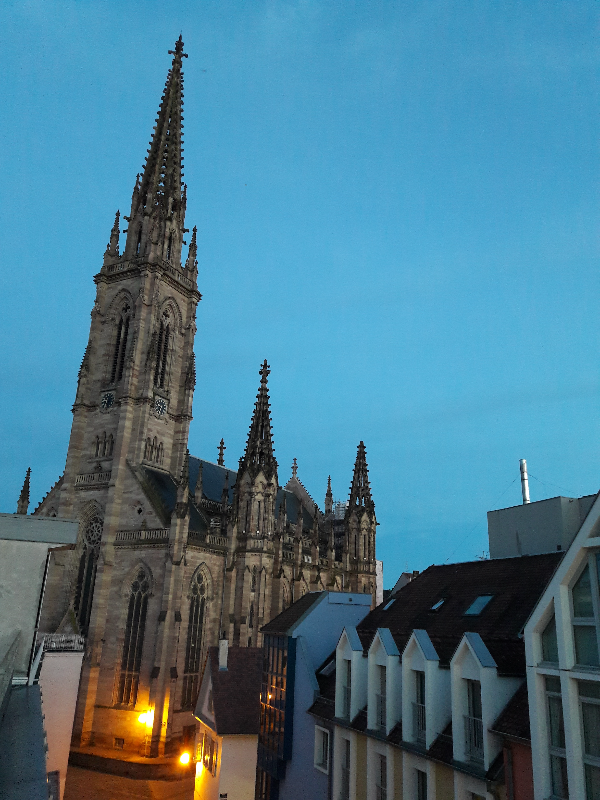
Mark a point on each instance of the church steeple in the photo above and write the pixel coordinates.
(23, 503)
(259, 453)
(157, 219)
(360, 490)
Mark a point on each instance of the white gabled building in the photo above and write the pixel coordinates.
(563, 673)
(427, 684)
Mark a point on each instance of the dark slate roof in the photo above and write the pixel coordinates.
(359, 723)
(292, 506)
(442, 747)
(213, 479)
(515, 583)
(22, 745)
(323, 707)
(236, 690)
(161, 489)
(514, 719)
(287, 619)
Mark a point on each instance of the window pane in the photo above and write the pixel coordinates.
(549, 642)
(478, 605)
(586, 646)
(592, 782)
(589, 689)
(558, 768)
(582, 595)
(557, 728)
(552, 684)
(591, 728)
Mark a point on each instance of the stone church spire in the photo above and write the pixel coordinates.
(259, 453)
(360, 490)
(157, 219)
(23, 503)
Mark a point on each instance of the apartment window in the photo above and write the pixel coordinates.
(322, 749)
(346, 687)
(380, 698)
(473, 723)
(381, 778)
(585, 614)
(589, 698)
(550, 642)
(421, 784)
(419, 707)
(208, 753)
(345, 773)
(556, 728)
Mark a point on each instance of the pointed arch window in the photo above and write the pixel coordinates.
(120, 345)
(86, 575)
(135, 627)
(164, 333)
(138, 246)
(193, 647)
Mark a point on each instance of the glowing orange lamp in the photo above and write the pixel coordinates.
(184, 758)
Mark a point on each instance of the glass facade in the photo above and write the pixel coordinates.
(276, 714)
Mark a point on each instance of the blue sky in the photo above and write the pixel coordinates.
(396, 206)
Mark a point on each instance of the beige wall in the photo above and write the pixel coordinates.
(236, 769)
(59, 682)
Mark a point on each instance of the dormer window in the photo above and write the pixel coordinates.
(477, 606)
(419, 726)
(346, 687)
(474, 723)
(380, 697)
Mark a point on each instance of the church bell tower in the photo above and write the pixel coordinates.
(136, 382)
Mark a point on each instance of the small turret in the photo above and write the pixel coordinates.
(328, 497)
(198, 487)
(112, 248)
(260, 453)
(23, 502)
(360, 490)
(221, 458)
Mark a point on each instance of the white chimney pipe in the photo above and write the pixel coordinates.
(524, 481)
(223, 650)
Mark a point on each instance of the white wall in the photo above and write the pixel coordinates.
(59, 683)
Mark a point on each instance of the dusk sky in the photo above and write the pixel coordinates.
(397, 207)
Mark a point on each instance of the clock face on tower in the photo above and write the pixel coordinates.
(160, 407)
(108, 398)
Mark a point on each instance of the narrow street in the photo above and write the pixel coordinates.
(83, 784)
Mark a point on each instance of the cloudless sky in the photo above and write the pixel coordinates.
(397, 206)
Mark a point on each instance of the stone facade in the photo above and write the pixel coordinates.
(173, 550)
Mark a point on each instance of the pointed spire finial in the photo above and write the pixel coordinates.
(360, 490)
(23, 502)
(294, 468)
(221, 459)
(260, 454)
(192, 262)
(328, 497)
(157, 218)
(112, 248)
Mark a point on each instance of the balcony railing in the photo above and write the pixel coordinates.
(474, 739)
(419, 722)
(380, 719)
(63, 642)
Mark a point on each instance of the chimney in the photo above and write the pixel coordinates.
(223, 649)
(524, 481)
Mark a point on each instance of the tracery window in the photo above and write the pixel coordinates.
(134, 639)
(164, 333)
(86, 576)
(193, 648)
(120, 344)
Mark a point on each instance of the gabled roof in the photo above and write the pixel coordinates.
(236, 690)
(513, 722)
(285, 622)
(514, 583)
